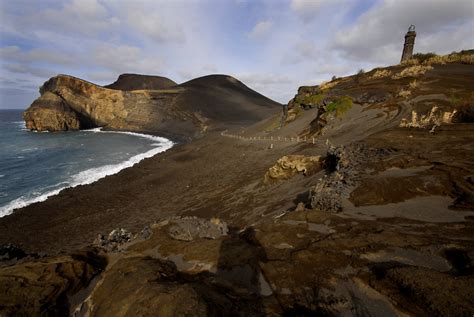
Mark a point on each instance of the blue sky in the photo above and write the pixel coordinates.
(273, 46)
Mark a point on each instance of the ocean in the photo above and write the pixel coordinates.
(36, 165)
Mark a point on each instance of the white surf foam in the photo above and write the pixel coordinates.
(91, 175)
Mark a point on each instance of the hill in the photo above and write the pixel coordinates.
(140, 82)
(223, 98)
(185, 111)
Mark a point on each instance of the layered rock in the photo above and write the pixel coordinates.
(290, 165)
(50, 113)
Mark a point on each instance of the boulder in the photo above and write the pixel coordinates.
(191, 228)
(290, 165)
(114, 241)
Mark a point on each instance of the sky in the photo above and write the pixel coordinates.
(273, 46)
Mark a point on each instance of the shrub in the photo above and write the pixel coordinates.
(464, 57)
(310, 99)
(455, 100)
(404, 93)
(422, 57)
(413, 84)
(361, 71)
(411, 62)
(340, 106)
(412, 71)
(381, 73)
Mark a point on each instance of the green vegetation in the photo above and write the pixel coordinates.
(455, 100)
(273, 124)
(310, 100)
(340, 106)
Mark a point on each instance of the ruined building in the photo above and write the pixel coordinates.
(409, 43)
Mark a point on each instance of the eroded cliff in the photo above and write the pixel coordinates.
(188, 110)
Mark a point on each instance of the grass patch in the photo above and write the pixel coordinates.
(340, 106)
(310, 100)
(456, 101)
(413, 84)
(463, 57)
(381, 73)
(273, 124)
(413, 71)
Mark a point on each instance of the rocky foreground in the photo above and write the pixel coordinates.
(358, 200)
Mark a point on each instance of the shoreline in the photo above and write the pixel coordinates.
(94, 174)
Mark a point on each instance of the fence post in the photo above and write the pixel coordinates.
(313, 140)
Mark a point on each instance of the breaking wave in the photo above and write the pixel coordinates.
(90, 175)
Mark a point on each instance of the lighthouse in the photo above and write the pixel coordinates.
(409, 44)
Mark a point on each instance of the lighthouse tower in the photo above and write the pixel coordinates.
(409, 43)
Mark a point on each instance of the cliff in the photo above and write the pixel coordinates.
(188, 110)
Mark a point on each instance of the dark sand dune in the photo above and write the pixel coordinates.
(225, 99)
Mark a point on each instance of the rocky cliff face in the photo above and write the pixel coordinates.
(69, 103)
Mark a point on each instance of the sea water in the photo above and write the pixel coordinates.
(36, 165)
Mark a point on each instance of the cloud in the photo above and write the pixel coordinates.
(261, 79)
(119, 59)
(14, 53)
(154, 24)
(309, 10)
(260, 29)
(30, 70)
(378, 34)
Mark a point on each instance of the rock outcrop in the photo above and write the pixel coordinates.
(290, 165)
(187, 110)
(50, 113)
(44, 287)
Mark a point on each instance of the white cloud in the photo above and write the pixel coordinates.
(310, 9)
(378, 34)
(260, 29)
(263, 78)
(14, 53)
(125, 59)
(154, 24)
(30, 70)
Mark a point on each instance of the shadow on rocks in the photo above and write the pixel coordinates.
(238, 270)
